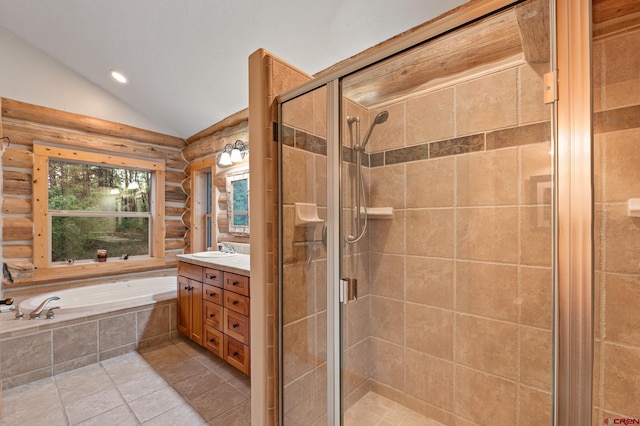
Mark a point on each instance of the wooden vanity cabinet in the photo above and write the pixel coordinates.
(223, 314)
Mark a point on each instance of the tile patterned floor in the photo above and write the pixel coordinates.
(172, 384)
(373, 409)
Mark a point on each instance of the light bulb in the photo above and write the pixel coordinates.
(236, 157)
(225, 159)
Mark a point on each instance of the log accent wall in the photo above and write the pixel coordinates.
(24, 123)
(201, 153)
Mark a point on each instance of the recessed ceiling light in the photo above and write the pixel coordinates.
(118, 76)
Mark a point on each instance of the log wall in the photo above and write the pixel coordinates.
(24, 123)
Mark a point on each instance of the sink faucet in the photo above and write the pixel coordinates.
(226, 248)
(37, 311)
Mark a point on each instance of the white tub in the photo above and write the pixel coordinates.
(119, 293)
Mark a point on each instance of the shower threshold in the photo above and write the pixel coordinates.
(375, 409)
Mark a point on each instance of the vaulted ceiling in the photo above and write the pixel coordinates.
(187, 59)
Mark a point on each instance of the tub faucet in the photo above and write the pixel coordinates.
(37, 311)
(226, 248)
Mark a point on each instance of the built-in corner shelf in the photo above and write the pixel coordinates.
(377, 212)
(633, 207)
(307, 214)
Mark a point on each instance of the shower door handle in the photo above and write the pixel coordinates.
(348, 290)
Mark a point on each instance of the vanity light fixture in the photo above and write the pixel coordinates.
(231, 154)
(119, 77)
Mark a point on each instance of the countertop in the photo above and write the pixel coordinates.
(237, 264)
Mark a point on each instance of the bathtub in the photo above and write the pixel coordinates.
(138, 291)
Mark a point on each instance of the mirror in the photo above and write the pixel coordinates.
(238, 202)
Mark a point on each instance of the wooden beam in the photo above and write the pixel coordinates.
(16, 183)
(27, 133)
(533, 20)
(231, 121)
(18, 251)
(18, 158)
(51, 117)
(210, 145)
(17, 229)
(487, 41)
(605, 10)
(16, 205)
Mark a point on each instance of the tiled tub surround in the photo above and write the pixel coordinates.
(34, 349)
(455, 293)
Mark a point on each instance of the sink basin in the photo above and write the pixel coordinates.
(213, 254)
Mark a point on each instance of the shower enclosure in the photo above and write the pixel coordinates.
(419, 226)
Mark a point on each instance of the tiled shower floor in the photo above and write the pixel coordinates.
(171, 384)
(373, 409)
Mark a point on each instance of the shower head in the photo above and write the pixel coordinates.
(380, 118)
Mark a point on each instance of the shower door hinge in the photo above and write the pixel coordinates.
(348, 290)
(550, 82)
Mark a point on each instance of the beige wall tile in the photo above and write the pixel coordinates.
(536, 297)
(621, 313)
(23, 354)
(535, 407)
(358, 319)
(429, 379)
(358, 366)
(622, 242)
(500, 408)
(430, 117)
(154, 322)
(298, 112)
(387, 319)
(486, 103)
(430, 183)
(320, 112)
(621, 379)
(298, 176)
(487, 234)
(487, 345)
(487, 178)
(299, 348)
(430, 232)
(620, 74)
(488, 290)
(390, 134)
(386, 187)
(291, 233)
(117, 331)
(387, 363)
(388, 236)
(430, 330)
(387, 275)
(536, 241)
(536, 358)
(430, 282)
(299, 293)
(301, 400)
(78, 341)
(535, 165)
(621, 159)
(532, 106)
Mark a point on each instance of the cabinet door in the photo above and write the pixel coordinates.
(184, 306)
(196, 311)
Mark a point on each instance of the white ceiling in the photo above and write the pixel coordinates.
(187, 59)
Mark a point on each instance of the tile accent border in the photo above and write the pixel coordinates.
(487, 141)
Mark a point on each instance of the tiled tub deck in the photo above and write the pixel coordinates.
(31, 350)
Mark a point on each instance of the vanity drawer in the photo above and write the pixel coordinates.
(237, 354)
(213, 277)
(212, 294)
(212, 315)
(236, 325)
(214, 340)
(236, 302)
(190, 271)
(236, 283)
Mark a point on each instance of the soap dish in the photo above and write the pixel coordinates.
(307, 214)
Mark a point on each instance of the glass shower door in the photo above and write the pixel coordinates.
(447, 229)
(303, 300)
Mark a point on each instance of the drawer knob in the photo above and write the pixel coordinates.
(212, 315)
(235, 325)
(234, 283)
(235, 354)
(186, 288)
(212, 277)
(212, 340)
(211, 294)
(235, 302)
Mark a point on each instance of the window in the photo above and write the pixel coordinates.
(85, 202)
(94, 207)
